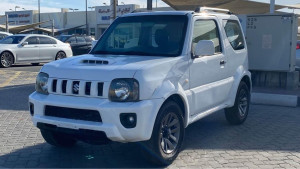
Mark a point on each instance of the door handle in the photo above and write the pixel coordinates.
(222, 62)
(36, 46)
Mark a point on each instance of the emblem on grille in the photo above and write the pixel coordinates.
(76, 88)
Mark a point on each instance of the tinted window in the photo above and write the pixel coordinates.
(32, 41)
(12, 40)
(46, 40)
(234, 34)
(71, 40)
(156, 35)
(80, 39)
(207, 30)
(63, 38)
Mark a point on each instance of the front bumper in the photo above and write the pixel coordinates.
(146, 112)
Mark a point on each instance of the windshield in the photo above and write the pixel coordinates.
(155, 35)
(63, 38)
(12, 40)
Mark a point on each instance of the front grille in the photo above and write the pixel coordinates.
(76, 87)
(71, 113)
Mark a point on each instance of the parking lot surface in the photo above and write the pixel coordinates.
(268, 139)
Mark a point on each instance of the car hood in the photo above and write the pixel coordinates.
(100, 67)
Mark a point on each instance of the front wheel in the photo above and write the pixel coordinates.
(58, 139)
(167, 135)
(6, 59)
(239, 112)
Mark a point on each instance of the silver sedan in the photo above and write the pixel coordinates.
(32, 49)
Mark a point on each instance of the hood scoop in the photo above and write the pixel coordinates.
(95, 62)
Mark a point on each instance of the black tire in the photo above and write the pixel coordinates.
(6, 59)
(60, 55)
(58, 139)
(238, 113)
(35, 64)
(153, 150)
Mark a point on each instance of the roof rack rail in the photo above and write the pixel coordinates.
(207, 9)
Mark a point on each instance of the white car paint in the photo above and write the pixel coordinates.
(35, 53)
(202, 83)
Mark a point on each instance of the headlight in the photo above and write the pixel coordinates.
(41, 84)
(124, 90)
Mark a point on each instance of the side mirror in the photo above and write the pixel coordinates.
(204, 48)
(24, 43)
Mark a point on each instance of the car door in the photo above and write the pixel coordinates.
(29, 52)
(73, 43)
(82, 45)
(48, 48)
(209, 81)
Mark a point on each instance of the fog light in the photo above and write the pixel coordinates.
(128, 120)
(31, 109)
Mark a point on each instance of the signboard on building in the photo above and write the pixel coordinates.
(104, 13)
(20, 17)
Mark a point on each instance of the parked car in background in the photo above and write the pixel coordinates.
(80, 44)
(298, 55)
(32, 49)
(4, 34)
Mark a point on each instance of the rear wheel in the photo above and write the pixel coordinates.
(6, 59)
(167, 135)
(60, 55)
(58, 139)
(239, 112)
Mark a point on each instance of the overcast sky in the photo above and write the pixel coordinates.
(56, 5)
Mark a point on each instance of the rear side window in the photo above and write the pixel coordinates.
(234, 34)
(80, 39)
(45, 40)
(207, 30)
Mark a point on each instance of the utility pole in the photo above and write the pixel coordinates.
(272, 6)
(6, 24)
(86, 18)
(149, 5)
(52, 27)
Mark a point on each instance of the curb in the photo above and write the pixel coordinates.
(275, 99)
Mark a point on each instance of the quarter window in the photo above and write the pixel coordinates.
(234, 34)
(207, 30)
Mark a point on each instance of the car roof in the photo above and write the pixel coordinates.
(208, 13)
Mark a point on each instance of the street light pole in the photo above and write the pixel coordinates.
(6, 24)
(86, 18)
(39, 3)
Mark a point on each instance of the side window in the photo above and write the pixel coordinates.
(45, 40)
(207, 30)
(234, 34)
(32, 40)
(71, 40)
(80, 39)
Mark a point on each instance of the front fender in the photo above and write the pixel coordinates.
(168, 89)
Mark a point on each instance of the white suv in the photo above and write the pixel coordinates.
(149, 76)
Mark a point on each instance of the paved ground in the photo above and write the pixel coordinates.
(268, 139)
